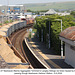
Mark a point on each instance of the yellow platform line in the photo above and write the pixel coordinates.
(53, 64)
(34, 45)
(31, 42)
(43, 55)
(46, 58)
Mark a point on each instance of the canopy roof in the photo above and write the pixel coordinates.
(51, 11)
(69, 33)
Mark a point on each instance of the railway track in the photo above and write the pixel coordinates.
(17, 40)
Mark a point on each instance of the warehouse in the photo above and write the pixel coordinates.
(12, 9)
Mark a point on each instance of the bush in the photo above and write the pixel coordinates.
(11, 21)
(0, 24)
(55, 28)
(29, 35)
(6, 22)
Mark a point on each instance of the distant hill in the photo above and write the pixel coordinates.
(53, 5)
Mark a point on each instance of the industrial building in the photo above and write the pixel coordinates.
(12, 9)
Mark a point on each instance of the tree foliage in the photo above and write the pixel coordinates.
(73, 13)
(55, 28)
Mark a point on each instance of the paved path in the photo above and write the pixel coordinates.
(48, 56)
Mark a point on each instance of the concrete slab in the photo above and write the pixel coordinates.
(7, 53)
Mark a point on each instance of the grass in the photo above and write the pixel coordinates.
(54, 5)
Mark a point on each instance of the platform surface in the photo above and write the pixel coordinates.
(47, 56)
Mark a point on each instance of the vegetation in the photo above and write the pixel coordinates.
(55, 28)
(0, 24)
(11, 21)
(6, 22)
(73, 13)
(29, 35)
(36, 12)
(54, 5)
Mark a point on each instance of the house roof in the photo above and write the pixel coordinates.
(51, 11)
(69, 33)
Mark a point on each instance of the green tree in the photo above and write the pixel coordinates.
(43, 23)
(73, 13)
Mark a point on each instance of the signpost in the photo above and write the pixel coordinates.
(30, 31)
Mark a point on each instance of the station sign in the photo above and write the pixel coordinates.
(30, 29)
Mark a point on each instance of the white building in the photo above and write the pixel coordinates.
(50, 12)
(12, 9)
(68, 36)
(63, 14)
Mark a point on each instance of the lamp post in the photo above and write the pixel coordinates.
(2, 19)
(8, 8)
(61, 41)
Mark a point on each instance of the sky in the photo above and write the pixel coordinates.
(13, 2)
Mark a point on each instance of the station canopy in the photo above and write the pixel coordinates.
(50, 12)
(69, 33)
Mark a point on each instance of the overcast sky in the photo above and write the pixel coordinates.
(5, 2)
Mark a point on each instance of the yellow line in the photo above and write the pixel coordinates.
(47, 59)
(43, 55)
(31, 42)
(35, 55)
(34, 45)
(53, 64)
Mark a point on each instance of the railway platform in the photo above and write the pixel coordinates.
(46, 56)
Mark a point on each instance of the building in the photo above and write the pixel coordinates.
(68, 36)
(63, 14)
(12, 9)
(50, 12)
(41, 13)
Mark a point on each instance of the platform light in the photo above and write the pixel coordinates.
(61, 41)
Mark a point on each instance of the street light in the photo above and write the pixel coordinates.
(61, 41)
(8, 8)
(2, 19)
